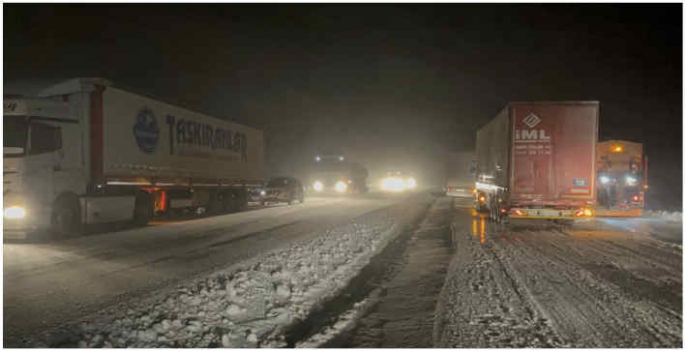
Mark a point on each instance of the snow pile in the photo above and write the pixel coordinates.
(249, 304)
(665, 215)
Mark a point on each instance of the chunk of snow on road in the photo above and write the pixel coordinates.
(666, 215)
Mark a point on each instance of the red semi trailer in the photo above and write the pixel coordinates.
(537, 160)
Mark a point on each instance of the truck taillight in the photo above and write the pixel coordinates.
(636, 198)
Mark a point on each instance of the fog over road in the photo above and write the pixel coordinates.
(48, 284)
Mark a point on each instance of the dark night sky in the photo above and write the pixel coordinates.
(392, 85)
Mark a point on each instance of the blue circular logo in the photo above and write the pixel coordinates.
(146, 130)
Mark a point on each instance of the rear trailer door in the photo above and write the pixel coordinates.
(553, 154)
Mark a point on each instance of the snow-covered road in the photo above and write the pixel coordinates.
(47, 285)
(353, 272)
(541, 285)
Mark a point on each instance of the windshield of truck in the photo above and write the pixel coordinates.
(15, 131)
(278, 182)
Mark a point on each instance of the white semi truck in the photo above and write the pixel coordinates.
(86, 152)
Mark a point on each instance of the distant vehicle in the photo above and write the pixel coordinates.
(283, 189)
(461, 180)
(397, 182)
(255, 193)
(86, 152)
(621, 178)
(334, 174)
(537, 160)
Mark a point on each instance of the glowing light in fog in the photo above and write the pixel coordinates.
(318, 186)
(604, 179)
(318, 158)
(15, 212)
(393, 184)
(340, 187)
(411, 183)
(630, 181)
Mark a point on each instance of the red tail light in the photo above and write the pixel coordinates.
(635, 198)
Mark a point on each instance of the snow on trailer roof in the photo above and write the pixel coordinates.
(74, 85)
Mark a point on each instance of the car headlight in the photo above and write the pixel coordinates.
(262, 192)
(15, 212)
(411, 183)
(340, 186)
(318, 186)
(393, 184)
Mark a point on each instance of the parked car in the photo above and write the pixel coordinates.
(255, 194)
(283, 189)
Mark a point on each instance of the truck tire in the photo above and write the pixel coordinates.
(143, 210)
(66, 216)
(242, 199)
(227, 201)
(215, 204)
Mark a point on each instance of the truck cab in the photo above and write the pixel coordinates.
(40, 142)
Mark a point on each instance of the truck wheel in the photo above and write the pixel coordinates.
(215, 204)
(66, 217)
(227, 200)
(143, 210)
(242, 199)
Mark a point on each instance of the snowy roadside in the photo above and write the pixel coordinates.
(665, 215)
(245, 305)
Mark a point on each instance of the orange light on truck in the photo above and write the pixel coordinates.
(481, 199)
(617, 148)
(584, 212)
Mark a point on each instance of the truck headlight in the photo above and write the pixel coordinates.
(630, 181)
(604, 179)
(318, 186)
(340, 186)
(15, 212)
(411, 183)
(262, 193)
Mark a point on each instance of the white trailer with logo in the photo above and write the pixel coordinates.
(87, 152)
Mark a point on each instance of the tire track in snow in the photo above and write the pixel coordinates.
(535, 287)
(586, 310)
(483, 303)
